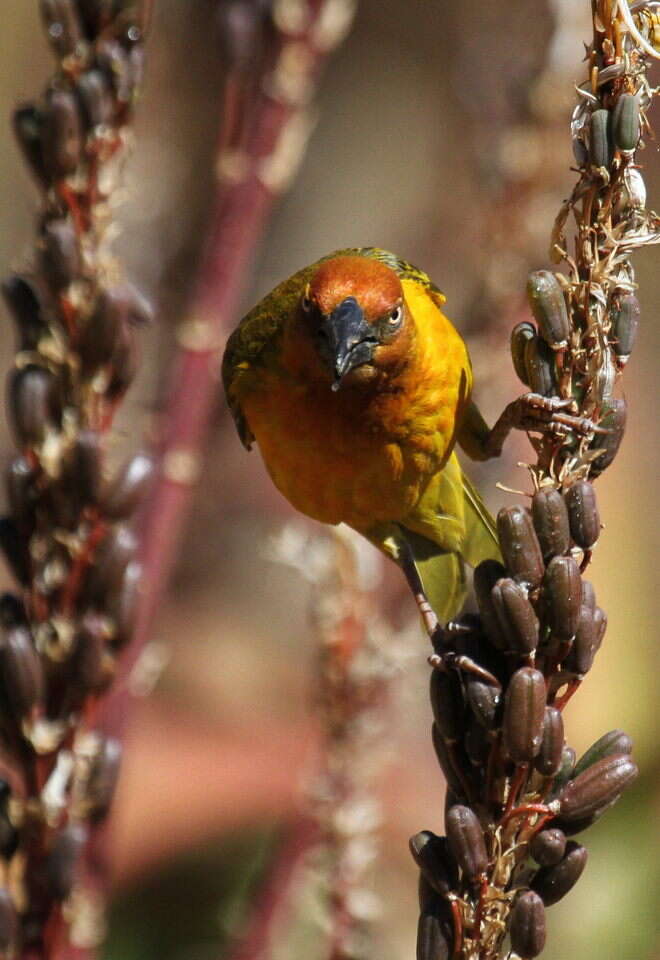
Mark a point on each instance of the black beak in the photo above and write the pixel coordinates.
(349, 340)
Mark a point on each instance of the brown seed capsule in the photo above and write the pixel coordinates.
(614, 742)
(59, 253)
(447, 704)
(522, 553)
(433, 857)
(128, 488)
(613, 420)
(90, 663)
(82, 466)
(113, 557)
(62, 25)
(115, 62)
(588, 638)
(34, 404)
(565, 772)
(550, 518)
(449, 761)
(466, 841)
(486, 576)
(102, 780)
(123, 363)
(12, 613)
(625, 122)
(433, 937)
(548, 760)
(583, 514)
(540, 367)
(99, 337)
(63, 860)
(28, 125)
(483, 699)
(21, 494)
(588, 595)
(14, 547)
(95, 96)
(601, 151)
(625, 324)
(548, 846)
(122, 608)
(527, 925)
(562, 597)
(521, 333)
(25, 304)
(546, 298)
(21, 669)
(8, 921)
(516, 616)
(477, 743)
(524, 709)
(597, 786)
(553, 883)
(62, 135)
(95, 14)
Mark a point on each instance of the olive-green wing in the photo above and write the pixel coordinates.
(481, 541)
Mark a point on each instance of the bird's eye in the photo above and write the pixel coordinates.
(394, 319)
(306, 301)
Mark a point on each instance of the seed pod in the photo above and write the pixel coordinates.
(447, 704)
(588, 595)
(12, 613)
(114, 60)
(477, 743)
(600, 144)
(516, 616)
(527, 925)
(82, 466)
(449, 761)
(102, 779)
(522, 553)
(566, 769)
(8, 921)
(614, 742)
(28, 123)
(540, 367)
(15, 548)
(588, 638)
(21, 494)
(63, 859)
(466, 841)
(62, 135)
(524, 709)
(521, 333)
(597, 786)
(548, 761)
(22, 673)
(113, 557)
(24, 302)
(128, 488)
(59, 253)
(33, 403)
(562, 597)
(553, 883)
(624, 316)
(62, 25)
(90, 664)
(548, 846)
(613, 419)
(483, 700)
(550, 518)
(99, 337)
(95, 14)
(434, 941)
(123, 363)
(625, 122)
(583, 514)
(434, 859)
(122, 608)
(95, 96)
(486, 576)
(546, 298)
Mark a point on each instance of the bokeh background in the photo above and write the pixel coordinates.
(442, 135)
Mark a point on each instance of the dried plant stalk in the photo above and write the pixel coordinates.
(502, 679)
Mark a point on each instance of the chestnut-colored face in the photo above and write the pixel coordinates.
(356, 316)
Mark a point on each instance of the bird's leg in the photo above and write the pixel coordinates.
(407, 564)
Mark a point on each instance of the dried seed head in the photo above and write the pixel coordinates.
(486, 576)
(62, 134)
(527, 925)
(613, 742)
(601, 151)
(548, 846)
(520, 546)
(516, 616)
(34, 403)
(521, 333)
(596, 787)
(551, 522)
(127, 488)
(548, 760)
(583, 514)
(613, 420)
(433, 857)
(59, 254)
(624, 315)
(625, 123)
(546, 298)
(553, 883)
(484, 700)
(562, 597)
(524, 710)
(466, 841)
(540, 367)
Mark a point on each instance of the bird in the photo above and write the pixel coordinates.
(357, 388)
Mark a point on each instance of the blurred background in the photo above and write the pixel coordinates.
(442, 135)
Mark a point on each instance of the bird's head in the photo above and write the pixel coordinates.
(356, 320)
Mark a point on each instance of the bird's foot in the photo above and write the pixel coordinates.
(532, 411)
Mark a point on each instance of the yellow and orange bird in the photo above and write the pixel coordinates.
(356, 387)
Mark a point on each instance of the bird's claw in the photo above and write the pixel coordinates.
(532, 411)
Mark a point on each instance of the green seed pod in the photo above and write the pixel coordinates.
(520, 546)
(95, 96)
(562, 597)
(516, 616)
(549, 758)
(447, 704)
(546, 298)
(59, 254)
(548, 846)
(483, 699)
(527, 925)
(63, 859)
(614, 742)
(434, 940)
(599, 785)
(601, 151)
(433, 857)
(24, 302)
(521, 333)
(466, 841)
(28, 124)
(486, 576)
(62, 25)
(613, 419)
(553, 883)
(624, 315)
(540, 367)
(33, 403)
(550, 518)
(524, 710)
(22, 673)
(583, 516)
(127, 489)
(62, 135)
(625, 123)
